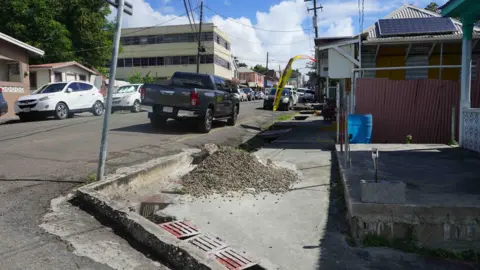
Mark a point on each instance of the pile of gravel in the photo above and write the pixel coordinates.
(230, 169)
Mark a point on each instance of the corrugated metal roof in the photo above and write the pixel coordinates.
(409, 11)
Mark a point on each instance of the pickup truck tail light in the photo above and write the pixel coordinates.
(194, 101)
(142, 92)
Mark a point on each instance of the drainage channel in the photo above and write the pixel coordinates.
(119, 231)
(227, 256)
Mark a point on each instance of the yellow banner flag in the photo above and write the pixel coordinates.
(284, 79)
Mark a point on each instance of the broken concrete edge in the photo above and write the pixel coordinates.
(170, 249)
(175, 252)
(435, 226)
(126, 174)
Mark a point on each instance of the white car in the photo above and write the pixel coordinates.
(60, 100)
(127, 97)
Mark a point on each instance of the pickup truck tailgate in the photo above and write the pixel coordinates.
(168, 96)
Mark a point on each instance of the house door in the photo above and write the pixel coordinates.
(70, 77)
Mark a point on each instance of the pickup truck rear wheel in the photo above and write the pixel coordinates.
(233, 120)
(205, 125)
(158, 122)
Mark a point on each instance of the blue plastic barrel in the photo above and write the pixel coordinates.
(360, 128)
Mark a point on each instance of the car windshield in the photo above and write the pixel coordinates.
(127, 89)
(51, 88)
(286, 91)
(188, 80)
(247, 90)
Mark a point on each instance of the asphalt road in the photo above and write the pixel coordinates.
(43, 160)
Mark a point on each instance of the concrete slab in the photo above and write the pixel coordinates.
(442, 203)
(276, 227)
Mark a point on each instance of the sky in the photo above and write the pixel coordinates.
(283, 28)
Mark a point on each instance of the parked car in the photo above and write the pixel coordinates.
(202, 98)
(61, 100)
(250, 93)
(309, 96)
(301, 92)
(3, 104)
(127, 97)
(259, 95)
(241, 95)
(286, 101)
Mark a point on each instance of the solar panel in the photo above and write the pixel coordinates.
(415, 26)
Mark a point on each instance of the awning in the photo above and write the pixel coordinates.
(252, 84)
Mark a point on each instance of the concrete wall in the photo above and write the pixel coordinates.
(338, 66)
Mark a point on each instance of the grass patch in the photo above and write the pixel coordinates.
(91, 178)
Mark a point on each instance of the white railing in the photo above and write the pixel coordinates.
(471, 129)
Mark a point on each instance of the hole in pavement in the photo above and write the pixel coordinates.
(307, 112)
(301, 117)
(148, 209)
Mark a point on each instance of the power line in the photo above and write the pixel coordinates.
(268, 44)
(140, 30)
(254, 27)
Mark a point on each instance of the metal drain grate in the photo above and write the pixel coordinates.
(207, 243)
(181, 229)
(233, 260)
(147, 209)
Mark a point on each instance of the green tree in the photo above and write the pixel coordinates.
(433, 7)
(66, 30)
(33, 22)
(138, 78)
(90, 31)
(260, 69)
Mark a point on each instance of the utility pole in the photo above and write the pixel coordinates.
(315, 25)
(122, 7)
(265, 80)
(199, 37)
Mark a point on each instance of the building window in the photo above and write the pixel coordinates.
(57, 76)
(128, 62)
(184, 60)
(209, 59)
(144, 62)
(33, 79)
(82, 77)
(120, 63)
(160, 61)
(192, 60)
(137, 62)
(152, 61)
(218, 39)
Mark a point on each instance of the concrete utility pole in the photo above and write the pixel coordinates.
(199, 37)
(122, 7)
(315, 25)
(266, 74)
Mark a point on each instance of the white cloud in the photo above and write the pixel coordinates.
(251, 44)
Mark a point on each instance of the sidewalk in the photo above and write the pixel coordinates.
(304, 228)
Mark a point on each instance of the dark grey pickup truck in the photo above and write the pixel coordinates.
(200, 97)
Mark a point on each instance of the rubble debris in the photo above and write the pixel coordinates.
(233, 170)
